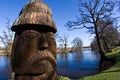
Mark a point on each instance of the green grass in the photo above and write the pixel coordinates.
(63, 78)
(114, 54)
(112, 73)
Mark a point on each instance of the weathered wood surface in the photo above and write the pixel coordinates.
(34, 48)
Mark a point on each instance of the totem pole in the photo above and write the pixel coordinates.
(34, 48)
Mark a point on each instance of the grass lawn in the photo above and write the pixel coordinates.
(63, 78)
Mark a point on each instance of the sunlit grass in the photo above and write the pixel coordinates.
(104, 76)
(63, 78)
(112, 73)
(114, 54)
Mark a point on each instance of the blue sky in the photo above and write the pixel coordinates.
(63, 10)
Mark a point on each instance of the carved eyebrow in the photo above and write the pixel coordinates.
(31, 31)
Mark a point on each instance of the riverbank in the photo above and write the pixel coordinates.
(113, 73)
(2, 53)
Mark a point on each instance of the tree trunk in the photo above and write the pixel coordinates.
(105, 45)
(101, 51)
(100, 48)
(65, 48)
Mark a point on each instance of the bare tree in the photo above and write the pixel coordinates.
(77, 44)
(108, 34)
(94, 45)
(91, 12)
(7, 38)
(119, 38)
(109, 37)
(63, 41)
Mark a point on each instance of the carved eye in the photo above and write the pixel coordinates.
(30, 34)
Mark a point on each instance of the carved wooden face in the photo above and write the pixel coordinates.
(34, 52)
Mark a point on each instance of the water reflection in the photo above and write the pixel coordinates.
(4, 68)
(77, 57)
(76, 65)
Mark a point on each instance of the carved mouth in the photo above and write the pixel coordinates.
(47, 57)
(38, 63)
(42, 67)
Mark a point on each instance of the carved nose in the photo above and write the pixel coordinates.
(43, 44)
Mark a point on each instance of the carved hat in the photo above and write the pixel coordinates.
(35, 14)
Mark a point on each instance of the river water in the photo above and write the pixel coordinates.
(73, 64)
(5, 70)
(77, 65)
